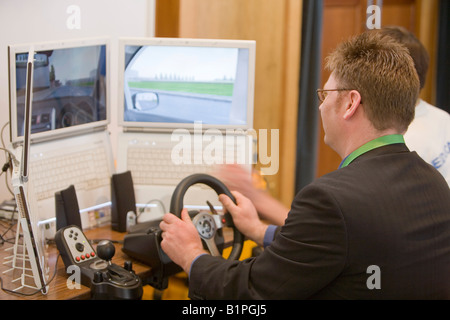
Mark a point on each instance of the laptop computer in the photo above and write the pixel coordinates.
(185, 106)
(70, 144)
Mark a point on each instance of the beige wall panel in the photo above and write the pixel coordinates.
(275, 25)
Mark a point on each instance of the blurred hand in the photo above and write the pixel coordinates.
(237, 178)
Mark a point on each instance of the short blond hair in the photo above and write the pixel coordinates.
(383, 72)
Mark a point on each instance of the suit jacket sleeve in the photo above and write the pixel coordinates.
(307, 253)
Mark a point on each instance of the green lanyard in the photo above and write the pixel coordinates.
(376, 143)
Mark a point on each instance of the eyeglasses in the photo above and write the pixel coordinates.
(322, 93)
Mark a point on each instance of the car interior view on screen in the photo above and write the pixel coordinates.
(69, 87)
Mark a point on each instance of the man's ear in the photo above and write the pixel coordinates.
(354, 103)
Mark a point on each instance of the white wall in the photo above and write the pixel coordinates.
(25, 21)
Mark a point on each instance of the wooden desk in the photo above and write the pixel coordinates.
(58, 289)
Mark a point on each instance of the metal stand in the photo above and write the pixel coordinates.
(21, 261)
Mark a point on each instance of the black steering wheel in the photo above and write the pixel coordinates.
(208, 224)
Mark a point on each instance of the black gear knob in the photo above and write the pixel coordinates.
(106, 250)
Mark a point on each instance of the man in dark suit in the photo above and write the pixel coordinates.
(376, 228)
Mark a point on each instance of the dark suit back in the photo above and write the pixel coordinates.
(376, 229)
(396, 209)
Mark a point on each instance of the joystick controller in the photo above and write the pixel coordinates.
(107, 280)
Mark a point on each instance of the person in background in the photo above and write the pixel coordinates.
(429, 132)
(376, 228)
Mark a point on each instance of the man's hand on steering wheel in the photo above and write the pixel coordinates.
(245, 216)
(180, 239)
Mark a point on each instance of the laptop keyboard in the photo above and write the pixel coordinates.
(152, 163)
(154, 166)
(85, 170)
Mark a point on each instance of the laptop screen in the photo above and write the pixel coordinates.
(174, 83)
(69, 91)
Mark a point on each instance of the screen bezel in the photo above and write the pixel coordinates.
(60, 132)
(167, 126)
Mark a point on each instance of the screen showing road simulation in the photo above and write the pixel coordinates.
(186, 84)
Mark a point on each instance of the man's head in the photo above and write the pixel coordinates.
(416, 49)
(381, 77)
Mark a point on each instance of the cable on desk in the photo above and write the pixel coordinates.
(37, 290)
(141, 210)
(3, 238)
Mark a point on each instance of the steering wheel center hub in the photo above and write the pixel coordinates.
(205, 225)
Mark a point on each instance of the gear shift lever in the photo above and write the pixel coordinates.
(106, 250)
(105, 279)
(113, 273)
